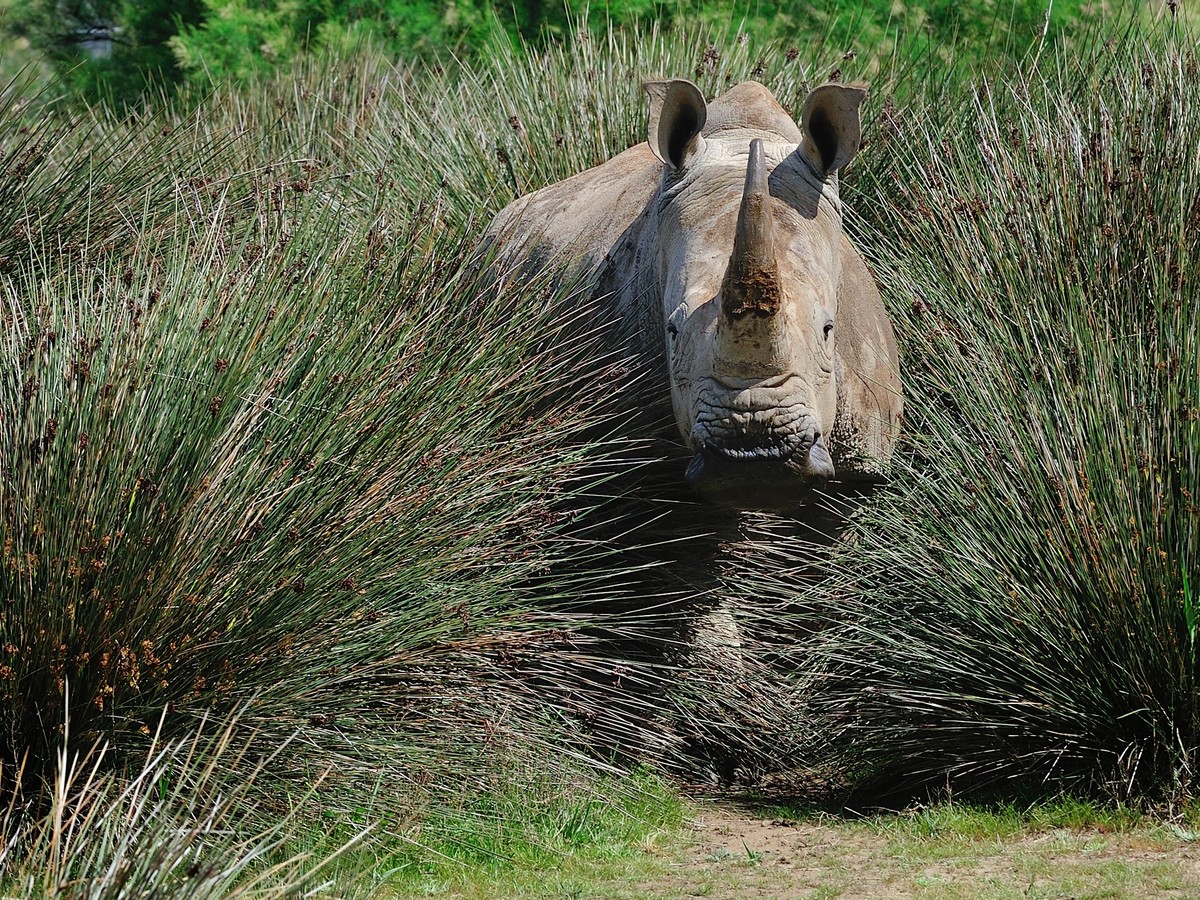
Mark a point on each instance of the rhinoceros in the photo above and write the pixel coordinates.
(719, 242)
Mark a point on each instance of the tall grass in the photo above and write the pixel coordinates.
(269, 445)
(175, 828)
(1018, 612)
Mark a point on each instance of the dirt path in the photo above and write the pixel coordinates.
(739, 855)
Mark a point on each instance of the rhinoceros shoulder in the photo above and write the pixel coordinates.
(573, 224)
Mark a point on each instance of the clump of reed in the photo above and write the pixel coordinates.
(1018, 612)
(272, 442)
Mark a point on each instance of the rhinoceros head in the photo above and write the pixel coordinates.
(749, 264)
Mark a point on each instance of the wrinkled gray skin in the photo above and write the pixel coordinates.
(720, 239)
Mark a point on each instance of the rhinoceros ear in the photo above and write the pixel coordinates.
(677, 113)
(832, 127)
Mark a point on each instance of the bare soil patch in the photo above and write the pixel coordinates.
(737, 854)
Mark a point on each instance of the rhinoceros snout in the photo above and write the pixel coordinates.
(760, 422)
(756, 455)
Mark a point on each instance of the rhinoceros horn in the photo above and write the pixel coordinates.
(752, 280)
(751, 342)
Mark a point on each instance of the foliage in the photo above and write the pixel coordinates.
(104, 48)
(117, 48)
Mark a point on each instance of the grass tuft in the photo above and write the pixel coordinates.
(1017, 610)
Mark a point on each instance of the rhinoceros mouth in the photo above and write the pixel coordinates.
(749, 441)
(807, 457)
(775, 468)
(759, 478)
(764, 422)
(768, 451)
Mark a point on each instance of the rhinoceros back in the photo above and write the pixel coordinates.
(571, 226)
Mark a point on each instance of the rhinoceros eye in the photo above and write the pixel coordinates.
(671, 329)
(828, 329)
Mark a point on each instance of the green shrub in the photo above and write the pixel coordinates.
(127, 51)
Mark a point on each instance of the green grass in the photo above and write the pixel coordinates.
(971, 821)
(1057, 848)
(1066, 847)
(938, 829)
(540, 837)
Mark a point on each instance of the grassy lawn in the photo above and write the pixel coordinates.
(718, 849)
